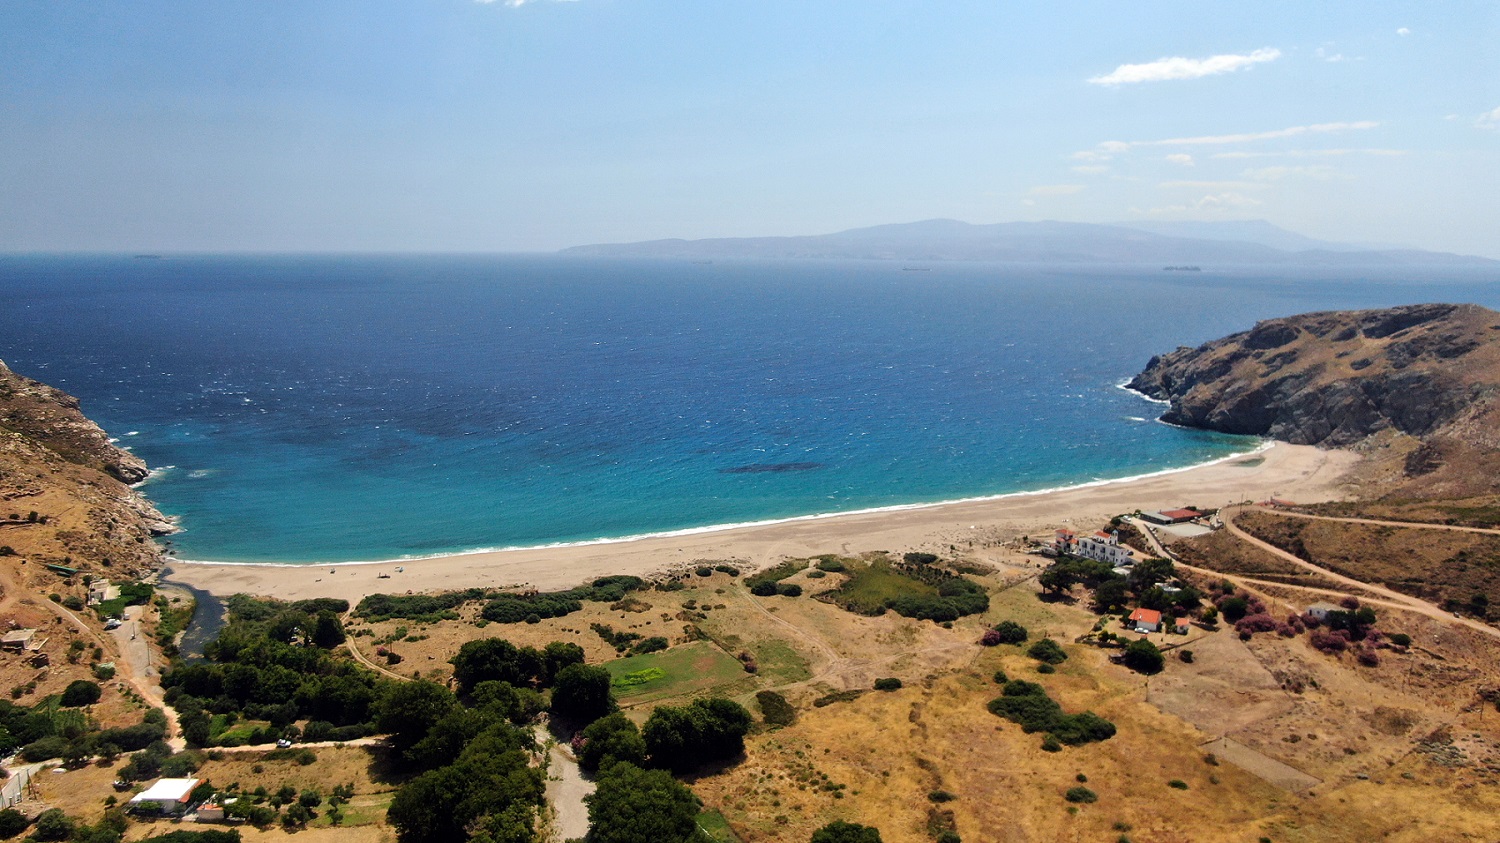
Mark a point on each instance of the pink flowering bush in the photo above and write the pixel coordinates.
(1260, 622)
(1329, 642)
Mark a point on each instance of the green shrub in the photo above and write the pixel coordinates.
(1177, 784)
(1050, 744)
(1048, 651)
(888, 684)
(831, 564)
(1144, 657)
(1045, 668)
(1027, 704)
(1011, 632)
(81, 692)
(763, 583)
(12, 823)
(774, 708)
(1081, 794)
(1000, 678)
(940, 796)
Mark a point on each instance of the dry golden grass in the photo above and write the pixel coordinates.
(876, 758)
(1436, 565)
(889, 750)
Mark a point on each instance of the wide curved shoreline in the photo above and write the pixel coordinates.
(1291, 471)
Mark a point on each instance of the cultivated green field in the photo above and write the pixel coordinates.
(681, 670)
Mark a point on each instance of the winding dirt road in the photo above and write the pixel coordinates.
(1389, 597)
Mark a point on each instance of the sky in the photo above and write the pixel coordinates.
(454, 125)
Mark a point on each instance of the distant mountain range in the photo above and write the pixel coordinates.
(1205, 244)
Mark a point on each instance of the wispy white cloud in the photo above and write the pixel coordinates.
(1289, 132)
(1329, 56)
(1310, 153)
(1321, 173)
(1210, 185)
(1489, 120)
(1055, 190)
(1181, 158)
(1091, 169)
(1109, 149)
(1403, 32)
(1210, 205)
(1177, 67)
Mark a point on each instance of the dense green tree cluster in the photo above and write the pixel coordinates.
(608, 740)
(49, 730)
(1069, 571)
(495, 659)
(1027, 704)
(425, 608)
(635, 805)
(1149, 573)
(581, 693)
(489, 791)
(681, 738)
(273, 662)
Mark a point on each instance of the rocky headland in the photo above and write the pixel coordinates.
(1416, 384)
(65, 494)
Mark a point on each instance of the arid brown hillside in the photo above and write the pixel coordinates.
(63, 492)
(1419, 380)
(1447, 568)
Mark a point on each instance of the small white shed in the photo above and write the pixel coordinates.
(169, 796)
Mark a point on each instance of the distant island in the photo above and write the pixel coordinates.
(1176, 245)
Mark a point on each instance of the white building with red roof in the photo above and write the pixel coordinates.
(1146, 620)
(1104, 547)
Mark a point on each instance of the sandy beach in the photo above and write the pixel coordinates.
(981, 529)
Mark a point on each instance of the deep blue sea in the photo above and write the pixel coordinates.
(357, 408)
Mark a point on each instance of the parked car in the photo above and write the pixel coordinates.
(113, 623)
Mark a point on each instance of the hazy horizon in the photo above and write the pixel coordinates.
(534, 125)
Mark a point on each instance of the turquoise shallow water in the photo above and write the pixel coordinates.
(351, 408)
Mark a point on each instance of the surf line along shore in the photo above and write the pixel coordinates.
(980, 528)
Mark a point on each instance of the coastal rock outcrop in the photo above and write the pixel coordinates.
(1428, 374)
(65, 496)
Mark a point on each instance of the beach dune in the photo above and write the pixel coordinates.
(979, 528)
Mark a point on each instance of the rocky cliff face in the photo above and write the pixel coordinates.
(64, 497)
(1425, 373)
